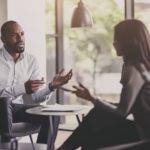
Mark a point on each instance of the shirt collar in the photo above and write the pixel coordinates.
(9, 57)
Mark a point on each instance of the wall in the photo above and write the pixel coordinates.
(31, 15)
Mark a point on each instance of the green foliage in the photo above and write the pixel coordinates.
(93, 43)
(50, 16)
(96, 41)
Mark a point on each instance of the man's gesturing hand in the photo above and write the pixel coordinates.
(60, 79)
(32, 86)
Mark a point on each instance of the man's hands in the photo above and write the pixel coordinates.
(60, 79)
(32, 86)
(82, 92)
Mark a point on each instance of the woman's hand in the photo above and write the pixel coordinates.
(82, 92)
(60, 79)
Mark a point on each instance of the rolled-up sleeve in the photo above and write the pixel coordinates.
(13, 91)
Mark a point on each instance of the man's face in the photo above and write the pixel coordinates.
(13, 39)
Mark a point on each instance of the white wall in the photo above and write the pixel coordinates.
(3, 13)
(31, 15)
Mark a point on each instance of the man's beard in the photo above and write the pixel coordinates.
(20, 49)
(16, 48)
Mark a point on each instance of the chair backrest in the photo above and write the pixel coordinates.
(5, 115)
(8, 129)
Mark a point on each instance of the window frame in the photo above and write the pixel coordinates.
(59, 36)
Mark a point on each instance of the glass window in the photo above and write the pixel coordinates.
(89, 51)
(142, 11)
(50, 63)
(50, 43)
(50, 16)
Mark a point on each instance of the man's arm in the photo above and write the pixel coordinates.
(35, 88)
(37, 97)
(12, 91)
(42, 92)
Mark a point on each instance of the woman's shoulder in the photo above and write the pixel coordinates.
(130, 72)
(129, 69)
(145, 73)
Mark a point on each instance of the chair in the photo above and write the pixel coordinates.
(24, 129)
(139, 145)
(18, 129)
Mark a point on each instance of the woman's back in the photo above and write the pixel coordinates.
(141, 109)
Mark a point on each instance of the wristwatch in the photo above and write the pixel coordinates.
(51, 88)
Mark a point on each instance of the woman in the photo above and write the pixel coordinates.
(106, 124)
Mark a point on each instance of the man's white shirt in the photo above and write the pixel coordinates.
(14, 75)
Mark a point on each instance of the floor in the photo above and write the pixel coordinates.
(71, 124)
(62, 135)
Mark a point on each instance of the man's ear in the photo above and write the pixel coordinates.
(3, 39)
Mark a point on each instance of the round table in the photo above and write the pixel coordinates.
(54, 112)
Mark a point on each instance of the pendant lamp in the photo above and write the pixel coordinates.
(81, 16)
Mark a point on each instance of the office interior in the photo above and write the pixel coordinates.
(87, 50)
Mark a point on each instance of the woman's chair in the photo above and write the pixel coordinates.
(139, 145)
(18, 129)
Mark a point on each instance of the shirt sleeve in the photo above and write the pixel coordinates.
(13, 91)
(132, 84)
(40, 95)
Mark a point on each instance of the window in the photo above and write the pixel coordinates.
(50, 42)
(89, 50)
(142, 10)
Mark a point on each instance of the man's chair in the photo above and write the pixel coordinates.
(24, 129)
(18, 129)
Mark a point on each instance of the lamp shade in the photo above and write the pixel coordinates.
(81, 16)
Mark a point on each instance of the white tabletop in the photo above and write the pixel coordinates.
(59, 110)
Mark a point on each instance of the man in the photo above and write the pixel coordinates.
(20, 78)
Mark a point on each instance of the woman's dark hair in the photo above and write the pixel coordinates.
(134, 41)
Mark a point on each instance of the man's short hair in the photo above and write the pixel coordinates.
(5, 26)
